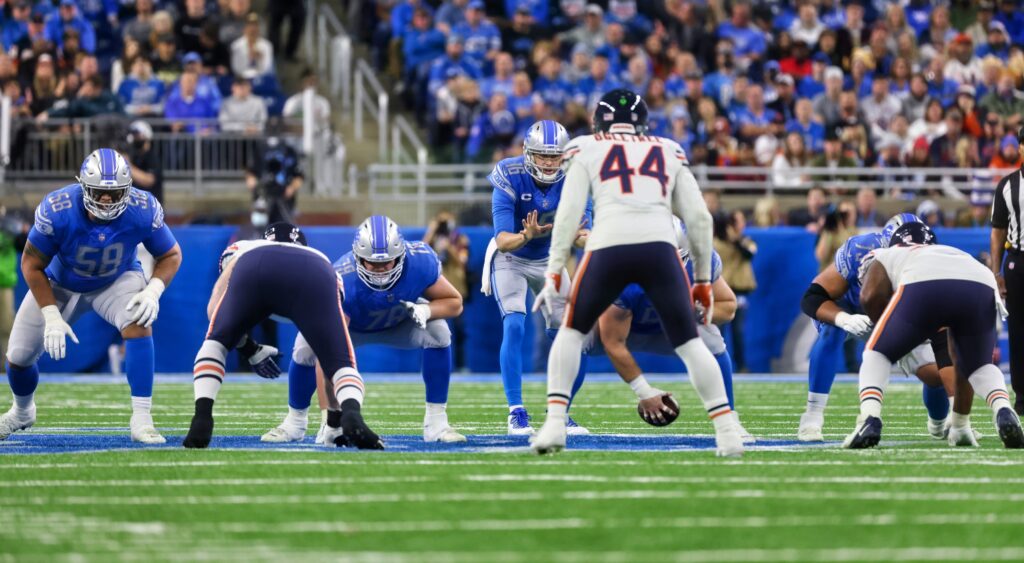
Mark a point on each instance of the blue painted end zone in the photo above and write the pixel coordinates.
(42, 443)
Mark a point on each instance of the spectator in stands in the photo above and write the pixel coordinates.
(813, 84)
(165, 61)
(637, 74)
(749, 41)
(467, 112)
(979, 214)
(92, 99)
(754, 120)
(207, 87)
(483, 40)
(737, 251)
(590, 33)
(190, 24)
(930, 213)
(767, 212)
(12, 90)
(915, 102)
(215, 56)
(44, 86)
(624, 12)
(998, 43)
(590, 89)
(856, 133)
(242, 112)
(963, 66)
(453, 59)
(442, 126)
(232, 21)
(931, 126)
(421, 45)
(833, 155)
(142, 93)
(837, 224)
(804, 123)
(807, 27)
(162, 25)
(251, 53)
(549, 85)
(1010, 17)
(809, 215)
(140, 25)
(295, 13)
(785, 97)
(452, 248)
(491, 135)
(867, 212)
(147, 173)
(938, 85)
(826, 104)
(16, 27)
(978, 29)
(184, 106)
(1008, 156)
(520, 103)
(859, 80)
(293, 106)
(501, 82)
(899, 77)
(881, 107)
(450, 14)
(519, 38)
(720, 82)
(793, 155)
(1005, 101)
(67, 17)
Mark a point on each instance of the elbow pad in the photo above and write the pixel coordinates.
(813, 299)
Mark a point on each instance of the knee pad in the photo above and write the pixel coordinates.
(22, 356)
(303, 355)
(440, 334)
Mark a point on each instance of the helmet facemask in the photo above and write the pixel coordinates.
(93, 196)
(545, 164)
(380, 280)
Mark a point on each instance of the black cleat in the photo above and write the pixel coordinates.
(355, 432)
(866, 436)
(1010, 431)
(200, 433)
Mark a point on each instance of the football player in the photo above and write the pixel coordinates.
(527, 191)
(81, 256)
(632, 324)
(833, 301)
(395, 295)
(902, 287)
(638, 182)
(280, 276)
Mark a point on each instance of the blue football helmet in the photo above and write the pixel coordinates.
(546, 139)
(379, 241)
(896, 222)
(105, 173)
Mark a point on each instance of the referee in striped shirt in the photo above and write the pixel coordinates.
(1008, 236)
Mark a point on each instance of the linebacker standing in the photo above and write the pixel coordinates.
(1007, 218)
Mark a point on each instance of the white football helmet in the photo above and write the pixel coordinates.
(378, 240)
(105, 172)
(545, 138)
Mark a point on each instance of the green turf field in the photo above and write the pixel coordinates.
(913, 499)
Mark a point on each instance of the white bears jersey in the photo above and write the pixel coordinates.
(918, 263)
(636, 182)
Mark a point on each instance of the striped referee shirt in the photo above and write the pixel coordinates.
(1007, 208)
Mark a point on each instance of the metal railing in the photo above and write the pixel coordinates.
(334, 55)
(371, 97)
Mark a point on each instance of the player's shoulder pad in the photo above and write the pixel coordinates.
(146, 208)
(675, 149)
(51, 213)
(575, 146)
(346, 264)
(501, 177)
(422, 258)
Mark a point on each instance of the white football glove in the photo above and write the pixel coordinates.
(55, 331)
(419, 312)
(147, 303)
(556, 290)
(857, 325)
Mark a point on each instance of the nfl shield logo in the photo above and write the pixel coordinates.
(102, 237)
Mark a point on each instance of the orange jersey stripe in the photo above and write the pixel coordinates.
(575, 288)
(885, 318)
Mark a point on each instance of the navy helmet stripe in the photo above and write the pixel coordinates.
(379, 234)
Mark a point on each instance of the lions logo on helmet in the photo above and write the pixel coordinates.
(106, 179)
(543, 148)
(379, 248)
(896, 222)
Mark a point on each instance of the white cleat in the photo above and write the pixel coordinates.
(729, 441)
(810, 428)
(550, 439)
(283, 434)
(746, 436)
(15, 420)
(962, 437)
(320, 433)
(330, 435)
(572, 428)
(939, 429)
(143, 431)
(519, 423)
(437, 429)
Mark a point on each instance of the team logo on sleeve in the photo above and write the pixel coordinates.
(158, 216)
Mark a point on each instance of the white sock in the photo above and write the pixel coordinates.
(208, 370)
(988, 381)
(514, 407)
(323, 417)
(436, 408)
(706, 377)
(961, 421)
(874, 379)
(114, 356)
(642, 389)
(348, 384)
(816, 403)
(25, 402)
(297, 417)
(563, 365)
(141, 405)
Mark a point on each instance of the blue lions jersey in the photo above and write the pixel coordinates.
(89, 254)
(645, 317)
(370, 310)
(516, 194)
(848, 260)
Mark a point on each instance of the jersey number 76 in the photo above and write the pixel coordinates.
(616, 166)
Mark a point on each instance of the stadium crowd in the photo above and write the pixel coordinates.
(781, 84)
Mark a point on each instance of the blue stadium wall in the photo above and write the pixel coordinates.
(784, 266)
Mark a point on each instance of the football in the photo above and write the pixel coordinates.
(667, 416)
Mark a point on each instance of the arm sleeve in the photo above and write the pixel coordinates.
(688, 204)
(567, 219)
(503, 203)
(588, 214)
(160, 239)
(43, 234)
(1000, 213)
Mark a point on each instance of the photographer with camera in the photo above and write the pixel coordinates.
(274, 182)
(143, 160)
(838, 223)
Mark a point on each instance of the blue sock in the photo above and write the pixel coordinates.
(139, 365)
(725, 363)
(437, 373)
(936, 401)
(301, 385)
(825, 356)
(511, 357)
(23, 381)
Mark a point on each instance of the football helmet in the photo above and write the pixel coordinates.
(621, 106)
(546, 139)
(105, 172)
(912, 233)
(285, 232)
(896, 222)
(379, 241)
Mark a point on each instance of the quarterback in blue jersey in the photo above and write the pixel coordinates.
(526, 194)
(81, 255)
(394, 295)
(833, 301)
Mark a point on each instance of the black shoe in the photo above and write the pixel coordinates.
(868, 435)
(200, 433)
(1010, 431)
(355, 432)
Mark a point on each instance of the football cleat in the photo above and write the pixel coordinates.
(143, 431)
(962, 437)
(284, 433)
(1010, 431)
(729, 440)
(199, 433)
(810, 428)
(550, 439)
(939, 429)
(867, 434)
(354, 431)
(437, 429)
(16, 419)
(519, 423)
(574, 429)
(320, 433)
(746, 436)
